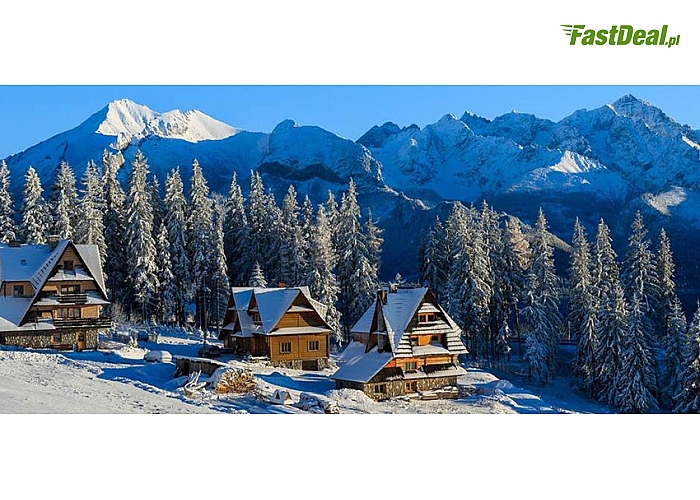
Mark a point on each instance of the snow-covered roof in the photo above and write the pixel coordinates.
(299, 330)
(358, 366)
(430, 349)
(397, 308)
(271, 304)
(35, 263)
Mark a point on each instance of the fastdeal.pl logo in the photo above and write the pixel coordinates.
(619, 35)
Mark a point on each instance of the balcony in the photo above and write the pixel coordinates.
(82, 322)
(72, 298)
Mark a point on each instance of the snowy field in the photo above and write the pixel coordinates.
(116, 379)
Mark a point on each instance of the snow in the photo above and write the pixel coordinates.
(132, 120)
(661, 202)
(115, 379)
(356, 365)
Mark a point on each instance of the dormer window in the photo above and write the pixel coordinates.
(427, 318)
(18, 291)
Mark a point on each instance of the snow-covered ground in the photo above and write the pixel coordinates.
(116, 379)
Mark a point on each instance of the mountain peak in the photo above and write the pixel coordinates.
(128, 120)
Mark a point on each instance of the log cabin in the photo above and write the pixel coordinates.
(52, 296)
(404, 343)
(285, 325)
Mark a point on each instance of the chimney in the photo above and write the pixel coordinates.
(281, 285)
(382, 295)
(14, 244)
(393, 287)
(52, 241)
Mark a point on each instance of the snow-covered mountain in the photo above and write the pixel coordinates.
(605, 162)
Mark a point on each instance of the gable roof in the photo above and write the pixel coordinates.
(400, 308)
(35, 264)
(271, 304)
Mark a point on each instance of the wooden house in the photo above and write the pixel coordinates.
(404, 343)
(52, 296)
(285, 325)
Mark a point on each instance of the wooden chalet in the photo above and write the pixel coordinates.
(52, 296)
(404, 343)
(285, 325)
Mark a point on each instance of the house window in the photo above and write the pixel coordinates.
(18, 290)
(68, 312)
(57, 337)
(412, 386)
(380, 389)
(68, 265)
(285, 347)
(70, 288)
(435, 339)
(256, 318)
(427, 318)
(410, 366)
(314, 345)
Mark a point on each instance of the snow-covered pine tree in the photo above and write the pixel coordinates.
(493, 243)
(200, 239)
(612, 316)
(675, 353)
(611, 354)
(218, 274)
(636, 382)
(503, 341)
(688, 400)
(373, 237)
(638, 275)
(175, 220)
(115, 261)
(307, 226)
(292, 245)
(458, 236)
(139, 243)
(517, 257)
(264, 219)
(167, 289)
(666, 291)
(332, 215)
(541, 317)
(8, 230)
(257, 277)
(356, 274)
(64, 202)
(90, 222)
(434, 265)
(582, 311)
(237, 236)
(153, 188)
(320, 278)
(34, 223)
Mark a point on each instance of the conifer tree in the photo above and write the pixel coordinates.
(167, 286)
(257, 277)
(292, 245)
(175, 220)
(517, 257)
(140, 245)
(374, 240)
(64, 201)
(541, 317)
(582, 311)
(90, 222)
(675, 348)
(636, 382)
(688, 399)
(8, 230)
(434, 265)
(114, 229)
(237, 236)
(218, 278)
(356, 274)
(321, 279)
(200, 238)
(264, 218)
(665, 270)
(34, 212)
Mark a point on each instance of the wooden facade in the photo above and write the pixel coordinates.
(405, 343)
(284, 325)
(54, 298)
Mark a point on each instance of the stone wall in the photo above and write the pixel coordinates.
(50, 339)
(298, 364)
(393, 388)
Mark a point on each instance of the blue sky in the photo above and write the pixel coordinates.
(30, 114)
